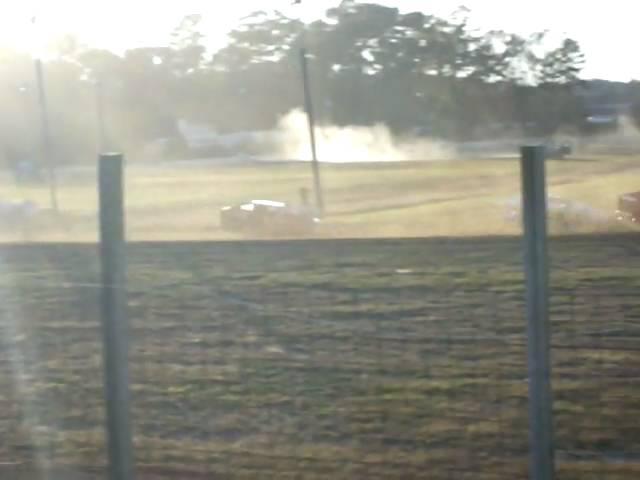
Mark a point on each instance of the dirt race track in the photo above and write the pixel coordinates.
(323, 359)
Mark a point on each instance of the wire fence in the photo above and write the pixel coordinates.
(596, 382)
(397, 359)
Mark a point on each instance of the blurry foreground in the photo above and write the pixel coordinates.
(339, 359)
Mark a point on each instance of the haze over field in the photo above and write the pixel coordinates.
(359, 315)
(386, 85)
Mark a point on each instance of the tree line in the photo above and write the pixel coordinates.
(369, 64)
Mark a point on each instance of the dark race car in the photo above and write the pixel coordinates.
(629, 207)
(558, 152)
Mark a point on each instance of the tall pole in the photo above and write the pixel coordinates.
(102, 130)
(115, 327)
(46, 136)
(308, 104)
(534, 209)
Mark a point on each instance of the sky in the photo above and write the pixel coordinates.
(604, 29)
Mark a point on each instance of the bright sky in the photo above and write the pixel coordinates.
(606, 30)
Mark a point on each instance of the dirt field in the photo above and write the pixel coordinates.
(324, 359)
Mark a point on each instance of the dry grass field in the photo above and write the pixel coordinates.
(403, 199)
(329, 357)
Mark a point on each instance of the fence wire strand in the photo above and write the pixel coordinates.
(293, 368)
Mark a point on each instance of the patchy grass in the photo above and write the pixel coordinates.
(324, 359)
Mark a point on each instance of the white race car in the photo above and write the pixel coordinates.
(268, 217)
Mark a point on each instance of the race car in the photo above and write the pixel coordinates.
(268, 218)
(629, 207)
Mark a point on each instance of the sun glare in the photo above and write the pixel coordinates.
(119, 25)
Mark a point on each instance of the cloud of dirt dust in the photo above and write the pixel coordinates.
(354, 143)
(624, 140)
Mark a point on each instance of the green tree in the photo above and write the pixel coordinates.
(562, 65)
(188, 51)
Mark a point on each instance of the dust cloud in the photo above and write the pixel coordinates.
(340, 144)
(623, 140)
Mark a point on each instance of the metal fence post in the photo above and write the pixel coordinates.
(534, 213)
(114, 319)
